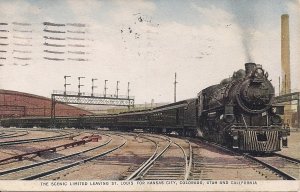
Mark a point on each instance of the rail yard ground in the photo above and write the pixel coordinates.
(293, 149)
(108, 155)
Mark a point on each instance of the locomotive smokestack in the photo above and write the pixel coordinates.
(249, 67)
(285, 55)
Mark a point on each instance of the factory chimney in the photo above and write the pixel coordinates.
(285, 66)
(285, 55)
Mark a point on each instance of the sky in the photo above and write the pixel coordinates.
(141, 42)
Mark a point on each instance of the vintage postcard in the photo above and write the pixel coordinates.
(149, 95)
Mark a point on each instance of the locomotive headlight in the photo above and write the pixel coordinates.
(229, 118)
(276, 119)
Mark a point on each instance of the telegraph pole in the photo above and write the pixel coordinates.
(65, 85)
(79, 85)
(128, 90)
(279, 86)
(175, 82)
(93, 86)
(105, 88)
(118, 88)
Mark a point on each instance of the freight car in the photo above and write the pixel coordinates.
(238, 112)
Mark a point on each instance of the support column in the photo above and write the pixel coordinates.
(298, 111)
(53, 103)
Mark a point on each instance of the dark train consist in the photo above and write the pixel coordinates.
(237, 113)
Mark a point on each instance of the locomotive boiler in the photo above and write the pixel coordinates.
(239, 112)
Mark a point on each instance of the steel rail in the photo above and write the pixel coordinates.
(77, 163)
(10, 132)
(13, 132)
(22, 168)
(291, 159)
(7, 134)
(144, 168)
(53, 149)
(272, 168)
(6, 143)
(14, 135)
(148, 167)
(187, 173)
(216, 145)
(130, 177)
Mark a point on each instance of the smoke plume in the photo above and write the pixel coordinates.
(245, 18)
(247, 45)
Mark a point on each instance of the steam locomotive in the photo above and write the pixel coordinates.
(238, 113)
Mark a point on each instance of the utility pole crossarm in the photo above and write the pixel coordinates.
(65, 85)
(79, 85)
(105, 88)
(93, 87)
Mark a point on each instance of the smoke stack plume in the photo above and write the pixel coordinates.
(285, 55)
(247, 47)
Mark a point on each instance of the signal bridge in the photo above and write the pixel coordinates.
(88, 99)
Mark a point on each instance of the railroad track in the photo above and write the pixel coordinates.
(64, 170)
(159, 168)
(287, 158)
(32, 171)
(274, 169)
(285, 166)
(22, 141)
(293, 165)
(211, 162)
(39, 152)
(265, 169)
(119, 165)
(13, 134)
(71, 163)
